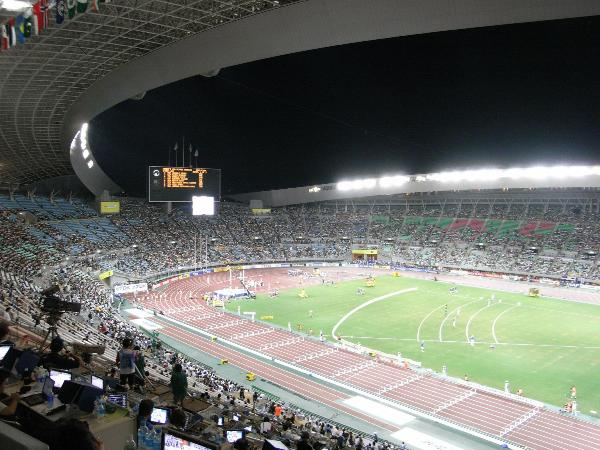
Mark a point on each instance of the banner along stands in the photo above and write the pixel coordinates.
(131, 288)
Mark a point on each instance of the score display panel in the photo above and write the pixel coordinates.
(180, 184)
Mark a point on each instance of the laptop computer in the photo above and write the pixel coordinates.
(40, 397)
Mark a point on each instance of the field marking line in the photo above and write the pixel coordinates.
(423, 321)
(507, 344)
(496, 320)
(448, 316)
(471, 319)
(364, 305)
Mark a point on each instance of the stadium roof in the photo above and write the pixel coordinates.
(539, 177)
(63, 77)
(40, 80)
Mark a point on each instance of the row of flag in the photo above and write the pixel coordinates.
(35, 20)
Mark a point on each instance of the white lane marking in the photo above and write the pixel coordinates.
(496, 320)
(471, 319)
(423, 321)
(448, 316)
(365, 304)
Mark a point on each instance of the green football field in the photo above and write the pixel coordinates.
(541, 345)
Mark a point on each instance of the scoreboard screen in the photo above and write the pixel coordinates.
(180, 184)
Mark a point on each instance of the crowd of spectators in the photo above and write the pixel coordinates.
(542, 241)
(100, 323)
(550, 240)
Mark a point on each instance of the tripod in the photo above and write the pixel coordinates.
(52, 332)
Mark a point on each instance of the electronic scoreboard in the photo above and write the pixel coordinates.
(180, 184)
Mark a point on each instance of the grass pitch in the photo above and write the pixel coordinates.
(542, 345)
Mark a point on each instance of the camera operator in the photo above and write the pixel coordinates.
(56, 360)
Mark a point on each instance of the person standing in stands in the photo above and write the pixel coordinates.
(265, 425)
(178, 384)
(140, 364)
(126, 362)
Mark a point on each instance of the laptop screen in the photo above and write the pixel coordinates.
(4, 349)
(60, 377)
(98, 382)
(159, 415)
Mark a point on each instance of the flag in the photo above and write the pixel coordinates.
(38, 21)
(196, 153)
(60, 11)
(3, 37)
(10, 28)
(20, 29)
(28, 16)
(45, 8)
(176, 146)
(72, 7)
(81, 6)
(94, 5)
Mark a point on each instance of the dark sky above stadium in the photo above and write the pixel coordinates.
(490, 97)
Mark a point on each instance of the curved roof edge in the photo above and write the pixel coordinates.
(485, 179)
(294, 28)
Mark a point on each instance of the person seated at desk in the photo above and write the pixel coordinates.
(55, 360)
(68, 434)
(241, 444)
(144, 412)
(12, 355)
(304, 443)
(8, 407)
(178, 418)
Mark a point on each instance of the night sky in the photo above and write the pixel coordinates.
(489, 97)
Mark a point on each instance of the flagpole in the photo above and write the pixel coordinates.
(169, 157)
(175, 154)
(183, 152)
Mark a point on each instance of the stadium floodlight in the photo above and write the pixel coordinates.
(367, 183)
(535, 172)
(15, 5)
(84, 130)
(90, 164)
(74, 141)
(475, 175)
(203, 205)
(395, 181)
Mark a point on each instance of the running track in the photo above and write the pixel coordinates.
(504, 418)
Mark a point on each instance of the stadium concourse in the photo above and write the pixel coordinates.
(520, 421)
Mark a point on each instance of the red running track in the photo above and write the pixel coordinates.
(295, 383)
(486, 412)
